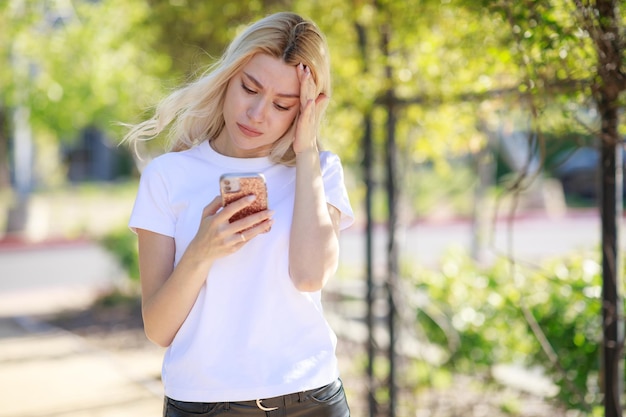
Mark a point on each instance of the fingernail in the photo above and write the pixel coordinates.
(251, 197)
(271, 213)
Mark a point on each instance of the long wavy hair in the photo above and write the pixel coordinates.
(194, 113)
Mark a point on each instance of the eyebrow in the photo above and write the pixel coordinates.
(259, 85)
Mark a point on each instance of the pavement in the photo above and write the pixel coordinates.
(46, 371)
(49, 372)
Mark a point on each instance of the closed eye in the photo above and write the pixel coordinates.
(247, 89)
(250, 91)
(281, 108)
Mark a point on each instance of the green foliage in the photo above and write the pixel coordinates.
(123, 245)
(193, 33)
(455, 66)
(80, 66)
(570, 315)
(485, 322)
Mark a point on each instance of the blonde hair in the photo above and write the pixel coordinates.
(193, 113)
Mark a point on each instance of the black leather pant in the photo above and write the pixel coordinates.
(327, 401)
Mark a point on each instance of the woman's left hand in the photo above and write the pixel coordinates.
(311, 107)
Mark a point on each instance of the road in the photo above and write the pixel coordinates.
(532, 238)
(50, 276)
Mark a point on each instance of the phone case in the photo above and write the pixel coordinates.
(236, 186)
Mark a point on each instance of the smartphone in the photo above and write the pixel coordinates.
(236, 186)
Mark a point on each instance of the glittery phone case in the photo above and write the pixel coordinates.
(235, 186)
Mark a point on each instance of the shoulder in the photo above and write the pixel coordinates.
(328, 159)
(178, 156)
(172, 160)
(330, 164)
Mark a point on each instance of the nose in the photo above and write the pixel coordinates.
(256, 110)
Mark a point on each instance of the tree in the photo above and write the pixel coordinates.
(91, 63)
(71, 66)
(607, 29)
(537, 57)
(576, 29)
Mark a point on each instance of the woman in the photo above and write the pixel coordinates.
(238, 304)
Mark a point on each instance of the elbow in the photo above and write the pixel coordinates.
(311, 279)
(158, 338)
(154, 332)
(307, 285)
(310, 267)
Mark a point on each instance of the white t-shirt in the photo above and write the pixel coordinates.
(250, 334)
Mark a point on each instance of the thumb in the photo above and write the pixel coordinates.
(322, 99)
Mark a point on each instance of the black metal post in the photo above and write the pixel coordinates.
(368, 176)
(371, 285)
(612, 309)
(392, 247)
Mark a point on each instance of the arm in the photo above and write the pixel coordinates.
(168, 293)
(314, 239)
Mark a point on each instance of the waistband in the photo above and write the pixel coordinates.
(274, 403)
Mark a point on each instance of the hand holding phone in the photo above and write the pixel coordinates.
(236, 186)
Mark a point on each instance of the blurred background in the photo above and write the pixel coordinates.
(482, 147)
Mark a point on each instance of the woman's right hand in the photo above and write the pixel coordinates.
(168, 293)
(217, 237)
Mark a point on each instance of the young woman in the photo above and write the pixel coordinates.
(238, 304)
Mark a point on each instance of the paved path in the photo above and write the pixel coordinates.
(49, 372)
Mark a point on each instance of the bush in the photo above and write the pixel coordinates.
(122, 243)
(492, 312)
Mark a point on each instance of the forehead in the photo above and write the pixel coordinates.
(273, 74)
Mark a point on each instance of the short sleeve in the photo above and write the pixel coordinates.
(335, 188)
(152, 209)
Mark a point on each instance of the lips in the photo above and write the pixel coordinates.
(248, 131)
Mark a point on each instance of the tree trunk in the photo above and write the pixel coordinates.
(611, 212)
(5, 179)
(611, 81)
(392, 224)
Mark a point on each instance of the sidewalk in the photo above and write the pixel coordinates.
(49, 372)
(46, 371)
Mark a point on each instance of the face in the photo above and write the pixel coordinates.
(262, 101)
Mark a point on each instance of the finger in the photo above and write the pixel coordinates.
(307, 85)
(237, 205)
(252, 221)
(212, 207)
(239, 239)
(242, 237)
(250, 233)
(302, 73)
